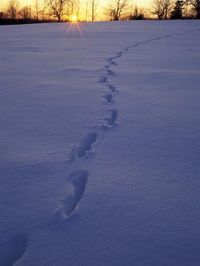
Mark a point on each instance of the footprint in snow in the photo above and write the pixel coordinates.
(103, 79)
(112, 62)
(110, 119)
(85, 146)
(13, 249)
(119, 54)
(108, 97)
(110, 72)
(76, 188)
(112, 87)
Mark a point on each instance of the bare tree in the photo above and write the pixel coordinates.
(86, 10)
(117, 9)
(77, 7)
(94, 4)
(42, 12)
(69, 8)
(2, 15)
(138, 13)
(12, 9)
(91, 9)
(56, 8)
(25, 12)
(73, 7)
(161, 8)
(37, 9)
(195, 6)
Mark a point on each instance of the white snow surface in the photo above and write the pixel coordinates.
(100, 144)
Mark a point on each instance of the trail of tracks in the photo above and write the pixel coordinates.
(111, 114)
(14, 249)
(87, 143)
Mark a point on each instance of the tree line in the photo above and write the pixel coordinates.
(165, 9)
(90, 10)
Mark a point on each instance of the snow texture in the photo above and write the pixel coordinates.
(100, 144)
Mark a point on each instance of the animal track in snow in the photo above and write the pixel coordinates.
(111, 87)
(110, 72)
(119, 54)
(111, 62)
(85, 146)
(103, 79)
(110, 118)
(12, 250)
(77, 182)
(108, 97)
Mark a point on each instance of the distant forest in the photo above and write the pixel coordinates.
(89, 10)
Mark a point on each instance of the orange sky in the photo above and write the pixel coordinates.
(102, 3)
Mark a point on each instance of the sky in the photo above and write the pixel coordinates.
(100, 14)
(102, 3)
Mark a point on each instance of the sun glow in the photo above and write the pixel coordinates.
(75, 27)
(74, 18)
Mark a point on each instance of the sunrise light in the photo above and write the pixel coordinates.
(74, 18)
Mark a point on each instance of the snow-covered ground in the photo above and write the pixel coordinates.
(100, 144)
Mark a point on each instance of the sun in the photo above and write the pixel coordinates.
(74, 18)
